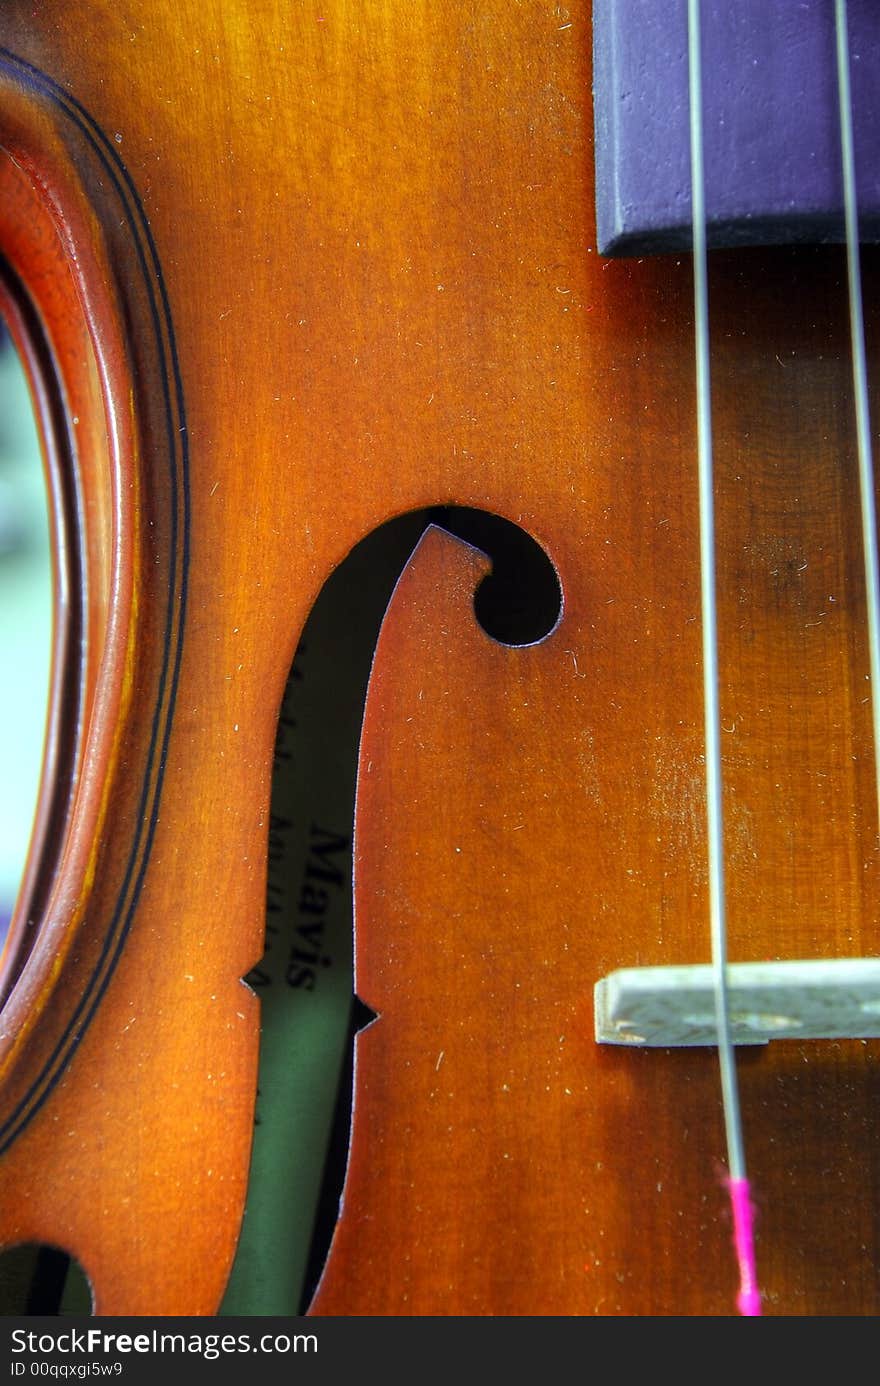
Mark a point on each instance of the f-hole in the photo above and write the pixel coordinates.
(305, 978)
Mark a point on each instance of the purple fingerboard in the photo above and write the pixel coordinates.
(771, 127)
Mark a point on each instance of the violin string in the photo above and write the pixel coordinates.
(860, 374)
(749, 1297)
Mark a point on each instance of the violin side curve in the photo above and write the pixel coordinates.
(85, 298)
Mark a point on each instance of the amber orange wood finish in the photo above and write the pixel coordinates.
(299, 268)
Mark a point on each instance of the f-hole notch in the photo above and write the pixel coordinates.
(305, 978)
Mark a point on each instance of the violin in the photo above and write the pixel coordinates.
(296, 286)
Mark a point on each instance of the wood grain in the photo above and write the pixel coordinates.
(331, 264)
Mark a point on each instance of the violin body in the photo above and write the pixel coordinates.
(298, 270)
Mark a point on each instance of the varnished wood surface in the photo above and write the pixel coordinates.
(338, 264)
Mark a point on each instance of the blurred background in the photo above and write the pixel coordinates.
(25, 621)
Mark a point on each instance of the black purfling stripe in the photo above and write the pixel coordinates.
(172, 389)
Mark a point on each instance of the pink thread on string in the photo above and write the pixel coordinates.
(748, 1301)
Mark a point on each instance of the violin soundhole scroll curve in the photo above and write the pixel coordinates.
(405, 1071)
(85, 296)
(310, 1014)
(395, 320)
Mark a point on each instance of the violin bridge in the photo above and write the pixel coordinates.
(660, 1007)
